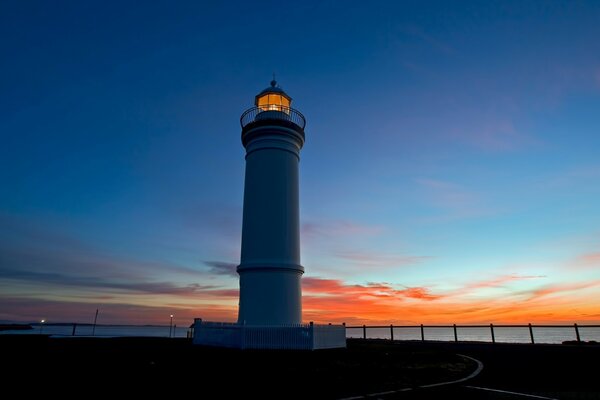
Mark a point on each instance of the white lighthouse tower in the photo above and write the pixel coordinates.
(270, 270)
(270, 306)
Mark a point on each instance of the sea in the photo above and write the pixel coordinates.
(478, 334)
(102, 330)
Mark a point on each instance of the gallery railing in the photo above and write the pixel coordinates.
(272, 112)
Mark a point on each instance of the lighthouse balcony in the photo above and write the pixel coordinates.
(272, 113)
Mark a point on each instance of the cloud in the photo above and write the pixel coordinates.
(222, 268)
(338, 228)
(32, 247)
(54, 278)
(558, 289)
(498, 281)
(223, 293)
(32, 310)
(39, 263)
(344, 240)
(79, 269)
(496, 135)
(214, 219)
(329, 300)
(332, 300)
(379, 259)
(335, 287)
(456, 201)
(15, 231)
(582, 177)
(448, 194)
(320, 285)
(490, 125)
(420, 293)
(587, 260)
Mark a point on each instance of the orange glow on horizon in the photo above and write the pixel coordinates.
(333, 301)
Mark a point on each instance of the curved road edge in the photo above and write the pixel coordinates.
(470, 376)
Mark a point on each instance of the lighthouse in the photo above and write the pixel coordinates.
(270, 304)
(270, 269)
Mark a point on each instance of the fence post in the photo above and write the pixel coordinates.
(577, 333)
(422, 333)
(531, 334)
(364, 331)
(392, 332)
(75, 327)
(492, 331)
(455, 334)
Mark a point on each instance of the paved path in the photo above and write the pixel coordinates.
(518, 371)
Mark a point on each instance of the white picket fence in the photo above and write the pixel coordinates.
(283, 337)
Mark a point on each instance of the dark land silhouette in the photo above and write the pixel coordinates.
(121, 366)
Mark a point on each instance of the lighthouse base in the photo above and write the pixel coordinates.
(284, 337)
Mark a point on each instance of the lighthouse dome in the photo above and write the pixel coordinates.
(273, 98)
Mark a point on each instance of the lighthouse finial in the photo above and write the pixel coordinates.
(273, 82)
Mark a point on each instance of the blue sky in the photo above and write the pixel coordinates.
(452, 151)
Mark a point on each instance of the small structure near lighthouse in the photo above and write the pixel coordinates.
(270, 306)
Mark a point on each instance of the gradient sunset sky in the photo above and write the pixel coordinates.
(451, 172)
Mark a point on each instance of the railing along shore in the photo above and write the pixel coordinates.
(575, 327)
(490, 333)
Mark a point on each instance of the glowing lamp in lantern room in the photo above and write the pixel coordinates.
(273, 98)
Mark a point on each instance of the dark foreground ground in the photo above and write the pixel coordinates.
(519, 371)
(125, 367)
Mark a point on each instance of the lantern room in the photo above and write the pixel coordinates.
(273, 98)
